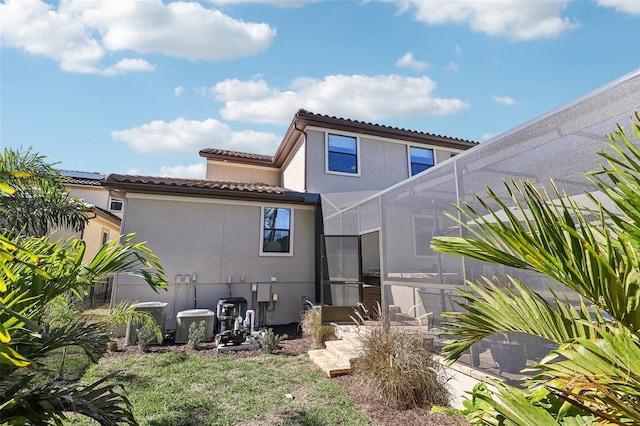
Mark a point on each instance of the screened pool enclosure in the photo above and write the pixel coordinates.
(377, 246)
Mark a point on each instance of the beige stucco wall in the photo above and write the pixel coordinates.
(217, 239)
(92, 235)
(293, 173)
(221, 171)
(383, 163)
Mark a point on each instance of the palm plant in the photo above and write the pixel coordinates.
(34, 272)
(594, 375)
(38, 199)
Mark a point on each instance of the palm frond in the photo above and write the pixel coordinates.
(601, 374)
(101, 401)
(552, 235)
(124, 256)
(125, 312)
(493, 308)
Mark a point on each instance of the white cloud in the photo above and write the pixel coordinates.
(355, 96)
(193, 171)
(178, 90)
(135, 172)
(236, 90)
(514, 19)
(128, 65)
(504, 100)
(407, 60)
(458, 50)
(182, 136)
(279, 3)
(79, 33)
(487, 136)
(452, 66)
(624, 6)
(179, 29)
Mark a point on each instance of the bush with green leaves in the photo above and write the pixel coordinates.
(593, 377)
(34, 273)
(146, 337)
(270, 341)
(312, 327)
(196, 334)
(397, 367)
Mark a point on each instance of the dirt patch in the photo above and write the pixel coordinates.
(297, 344)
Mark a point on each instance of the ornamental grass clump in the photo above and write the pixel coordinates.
(397, 368)
(312, 327)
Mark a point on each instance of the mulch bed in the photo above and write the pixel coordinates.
(297, 344)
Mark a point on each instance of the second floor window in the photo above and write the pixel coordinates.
(420, 159)
(115, 205)
(342, 154)
(276, 230)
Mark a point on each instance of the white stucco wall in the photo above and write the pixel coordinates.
(96, 195)
(217, 239)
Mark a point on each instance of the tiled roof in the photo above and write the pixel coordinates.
(204, 188)
(99, 211)
(222, 153)
(304, 118)
(303, 114)
(73, 177)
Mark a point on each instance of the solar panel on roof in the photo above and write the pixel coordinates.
(82, 175)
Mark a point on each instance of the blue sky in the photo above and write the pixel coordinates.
(140, 86)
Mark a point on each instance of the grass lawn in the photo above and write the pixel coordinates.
(188, 389)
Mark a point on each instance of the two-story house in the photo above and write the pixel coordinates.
(105, 215)
(253, 227)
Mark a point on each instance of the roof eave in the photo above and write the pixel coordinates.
(206, 192)
(238, 160)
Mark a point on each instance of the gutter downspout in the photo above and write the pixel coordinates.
(318, 221)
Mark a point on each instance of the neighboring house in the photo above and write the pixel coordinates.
(253, 227)
(106, 212)
(105, 217)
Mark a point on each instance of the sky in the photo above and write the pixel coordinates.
(141, 86)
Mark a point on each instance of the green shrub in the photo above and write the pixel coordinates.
(270, 341)
(312, 327)
(196, 334)
(146, 336)
(398, 368)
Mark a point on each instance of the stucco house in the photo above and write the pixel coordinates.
(105, 216)
(106, 211)
(252, 228)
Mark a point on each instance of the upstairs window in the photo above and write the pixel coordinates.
(342, 154)
(420, 159)
(115, 205)
(276, 230)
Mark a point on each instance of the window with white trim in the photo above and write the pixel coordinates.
(276, 231)
(420, 159)
(342, 154)
(115, 205)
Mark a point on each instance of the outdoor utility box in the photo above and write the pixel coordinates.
(184, 319)
(264, 292)
(157, 310)
(224, 308)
